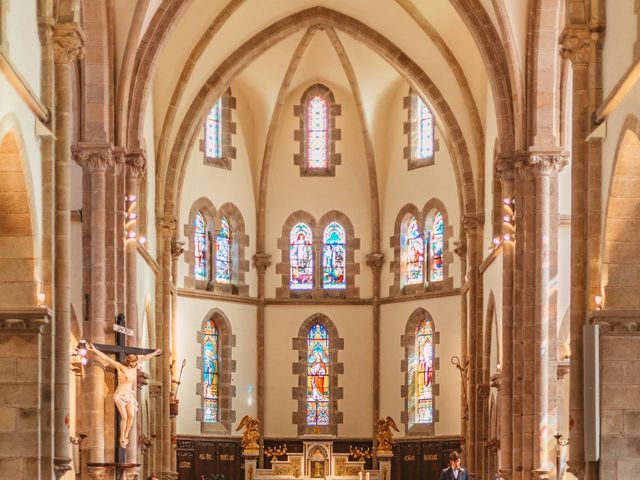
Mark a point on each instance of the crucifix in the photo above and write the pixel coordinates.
(124, 396)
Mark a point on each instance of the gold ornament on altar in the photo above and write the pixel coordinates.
(359, 453)
(384, 435)
(251, 435)
(274, 452)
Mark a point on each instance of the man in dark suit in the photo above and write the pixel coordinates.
(454, 471)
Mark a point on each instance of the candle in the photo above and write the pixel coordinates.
(367, 475)
(359, 475)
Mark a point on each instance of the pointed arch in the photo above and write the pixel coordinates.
(200, 232)
(438, 235)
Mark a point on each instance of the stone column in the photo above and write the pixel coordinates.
(384, 462)
(95, 159)
(375, 262)
(177, 249)
(261, 261)
(576, 46)
(68, 47)
(167, 231)
(543, 164)
(250, 461)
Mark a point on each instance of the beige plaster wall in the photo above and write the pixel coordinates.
(393, 322)
(619, 41)
(23, 47)
(347, 192)
(399, 186)
(354, 325)
(242, 318)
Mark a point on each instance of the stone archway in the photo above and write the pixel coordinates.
(18, 285)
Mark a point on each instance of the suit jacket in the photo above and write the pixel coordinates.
(447, 474)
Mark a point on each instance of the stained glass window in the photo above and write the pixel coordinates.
(424, 130)
(412, 252)
(318, 376)
(317, 132)
(223, 252)
(424, 372)
(436, 246)
(334, 257)
(301, 257)
(201, 264)
(210, 371)
(213, 131)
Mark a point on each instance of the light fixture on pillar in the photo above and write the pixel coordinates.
(598, 301)
(41, 299)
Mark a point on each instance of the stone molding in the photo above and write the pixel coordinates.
(262, 261)
(101, 472)
(409, 103)
(505, 169)
(228, 126)
(299, 368)
(300, 134)
(167, 226)
(616, 322)
(94, 157)
(68, 43)
(472, 224)
(545, 162)
(227, 366)
(33, 320)
(61, 466)
(407, 391)
(576, 45)
(136, 162)
(375, 261)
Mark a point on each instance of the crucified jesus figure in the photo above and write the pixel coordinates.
(125, 394)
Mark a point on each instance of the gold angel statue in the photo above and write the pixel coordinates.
(251, 434)
(384, 435)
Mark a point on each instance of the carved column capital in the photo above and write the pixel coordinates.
(262, 261)
(94, 157)
(471, 224)
(576, 44)
(68, 43)
(546, 162)
(118, 159)
(136, 162)
(61, 466)
(375, 261)
(483, 390)
(460, 248)
(505, 169)
(177, 248)
(167, 226)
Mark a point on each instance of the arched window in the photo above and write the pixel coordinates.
(223, 252)
(210, 372)
(201, 244)
(423, 131)
(334, 257)
(213, 131)
(424, 373)
(435, 243)
(301, 257)
(412, 252)
(317, 376)
(317, 113)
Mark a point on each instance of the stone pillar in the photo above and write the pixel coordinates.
(384, 462)
(261, 261)
(177, 249)
(250, 463)
(68, 47)
(95, 159)
(576, 46)
(375, 262)
(472, 229)
(543, 164)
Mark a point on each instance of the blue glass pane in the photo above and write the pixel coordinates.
(334, 254)
(223, 253)
(412, 253)
(210, 372)
(213, 131)
(301, 257)
(436, 247)
(201, 266)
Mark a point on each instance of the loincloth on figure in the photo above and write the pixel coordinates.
(126, 398)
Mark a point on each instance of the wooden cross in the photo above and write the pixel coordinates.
(121, 351)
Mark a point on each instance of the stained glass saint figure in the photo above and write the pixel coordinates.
(301, 257)
(210, 371)
(201, 263)
(223, 252)
(412, 252)
(424, 372)
(318, 376)
(334, 257)
(213, 131)
(317, 132)
(436, 247)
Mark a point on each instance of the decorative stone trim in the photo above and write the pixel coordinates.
(336, 369)
(226, 391)
(300, 135)
(228, 126)
(395, 265)
(497, 213)
(93, 157)
(68, 42)
(407, 391)
(317, 228)
(410, 103)
(239, 242)
(16, 320)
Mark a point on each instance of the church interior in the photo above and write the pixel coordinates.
(275, 239)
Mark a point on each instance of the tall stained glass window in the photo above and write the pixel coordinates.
(301, 257)
(201, 261)
(436, 247)
(317, 132)
(334, 257)
(213, 131)
(424, 373)
(423, 130)
(223, 252)
(317, 376)
(210, 372)
(412, 252)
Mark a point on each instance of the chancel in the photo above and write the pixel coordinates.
(373, 239)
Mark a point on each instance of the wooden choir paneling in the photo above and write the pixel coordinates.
(422, 459)
(202, 458)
